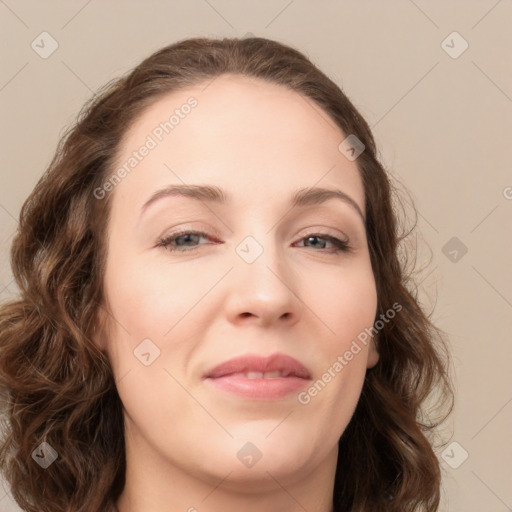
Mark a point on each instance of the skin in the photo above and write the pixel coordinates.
(260, 143)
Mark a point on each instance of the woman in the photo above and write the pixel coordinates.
(214, 313)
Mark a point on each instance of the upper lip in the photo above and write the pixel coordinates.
(255, 363)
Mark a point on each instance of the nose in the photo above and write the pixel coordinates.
(264, 291)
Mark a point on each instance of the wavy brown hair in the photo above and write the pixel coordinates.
(58, 386)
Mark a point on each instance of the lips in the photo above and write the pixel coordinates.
(259, 367)
(253, 377)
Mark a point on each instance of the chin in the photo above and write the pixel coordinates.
(250, 458)
(262, 476)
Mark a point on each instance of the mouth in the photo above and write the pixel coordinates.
(256, 377)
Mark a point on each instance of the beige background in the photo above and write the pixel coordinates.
(443, 125)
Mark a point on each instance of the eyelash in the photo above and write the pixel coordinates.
(165, 242)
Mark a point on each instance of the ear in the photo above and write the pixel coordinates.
(373, 353)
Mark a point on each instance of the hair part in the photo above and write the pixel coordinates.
(58, 386)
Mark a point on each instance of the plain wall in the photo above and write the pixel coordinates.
(443, 124)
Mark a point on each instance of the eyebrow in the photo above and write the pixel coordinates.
(212, 194)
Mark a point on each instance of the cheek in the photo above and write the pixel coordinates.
(159, 303)
(345, 301)
(147, 305)
(346, 305)
(150, 300)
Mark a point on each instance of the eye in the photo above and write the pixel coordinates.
(175, 241)
(185, 241)
(339, 245)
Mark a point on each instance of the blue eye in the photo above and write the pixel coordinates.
(180, 242)
(185, 236)
(339, 245)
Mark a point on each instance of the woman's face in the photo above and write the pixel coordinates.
(264, 278)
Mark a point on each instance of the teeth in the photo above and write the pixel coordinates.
(272, 375)
(254, 375)
(261, 375)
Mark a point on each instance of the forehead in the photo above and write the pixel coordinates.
(230, 103)
(242, 133)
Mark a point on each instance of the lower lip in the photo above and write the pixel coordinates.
(263, 389)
